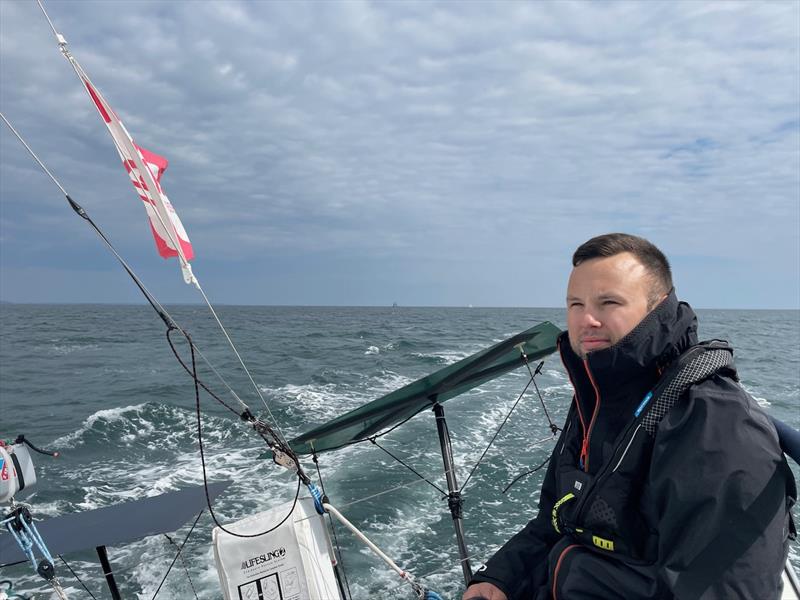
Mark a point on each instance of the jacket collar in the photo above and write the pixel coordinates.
(634, 362)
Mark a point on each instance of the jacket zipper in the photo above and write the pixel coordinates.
(601, 475)
(558, 566)
(588, 433)
(585, 445)
(633, 425)
(577, 402)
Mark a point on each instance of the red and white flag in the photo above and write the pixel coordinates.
(145, 169)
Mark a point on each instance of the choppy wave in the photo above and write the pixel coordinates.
(442, 358)
(315, 403)
(761, 401)
(63, 349)
(100, 422)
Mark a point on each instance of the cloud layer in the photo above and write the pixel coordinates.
(365, 153)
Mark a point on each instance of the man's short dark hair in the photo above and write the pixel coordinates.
(645, 252)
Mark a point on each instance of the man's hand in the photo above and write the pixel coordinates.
(483, 591)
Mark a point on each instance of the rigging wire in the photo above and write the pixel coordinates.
(261, 428)
(48, 18)
(189, 371)
(75, 575)
(185, 568)
(422, 478)
(450, 567)
(171, 325)
(169, 230)
(151, 559)
(83, 214)
(274, 440)
(396, 488)
(553, 427)
(333, 529)
(151, 299)
(180, 549)
(508, 416)
(407, 466)
(280, 436)
(402, 486)
(33, 154)
(203, 460)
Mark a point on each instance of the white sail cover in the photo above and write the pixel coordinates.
(145, 169)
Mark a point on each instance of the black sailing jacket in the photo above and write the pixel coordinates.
(707, 516)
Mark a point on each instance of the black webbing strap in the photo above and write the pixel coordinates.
(18, 470)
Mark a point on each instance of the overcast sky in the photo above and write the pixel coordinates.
(365, 153)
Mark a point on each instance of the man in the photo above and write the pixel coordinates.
(650, 492)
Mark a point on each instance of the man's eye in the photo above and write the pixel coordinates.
(575, 304)
(610, 302)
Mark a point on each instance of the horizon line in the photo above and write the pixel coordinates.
(465, 306)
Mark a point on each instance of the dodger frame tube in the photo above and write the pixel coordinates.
(385, 558)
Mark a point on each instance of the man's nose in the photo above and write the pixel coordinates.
(589, 320)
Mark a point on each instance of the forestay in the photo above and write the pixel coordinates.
(400, 405)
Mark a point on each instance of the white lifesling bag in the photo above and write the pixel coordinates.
(294, 562)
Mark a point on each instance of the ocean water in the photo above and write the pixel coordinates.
(100, 384)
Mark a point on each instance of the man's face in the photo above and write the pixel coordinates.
(606, 299)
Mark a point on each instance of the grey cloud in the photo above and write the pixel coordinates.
(445, 133)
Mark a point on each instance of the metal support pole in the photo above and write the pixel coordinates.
(454, 500)
(112, 584)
